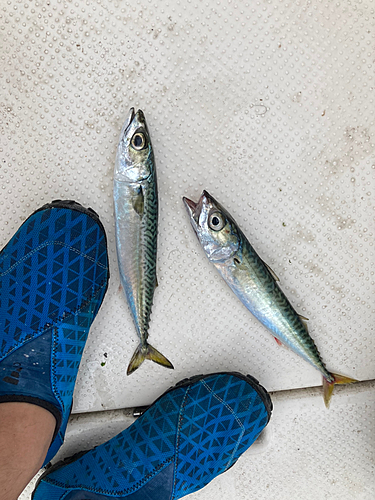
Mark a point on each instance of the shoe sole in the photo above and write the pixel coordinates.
(253, 382)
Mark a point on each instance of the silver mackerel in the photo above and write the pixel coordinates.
(254, 282)
(136, 219)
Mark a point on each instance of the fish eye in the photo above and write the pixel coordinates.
(138, 141)
(216, 221)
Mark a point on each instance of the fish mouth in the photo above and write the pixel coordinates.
(140, 116)
(195, 209)
(190, 204)
(130, 118)
(135, 119)
(127, 124)
(208, 199)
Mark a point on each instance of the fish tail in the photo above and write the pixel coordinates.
(147, 352)
(328, 386)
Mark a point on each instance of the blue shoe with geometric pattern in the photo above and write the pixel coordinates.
(53, 277)
(194, 432)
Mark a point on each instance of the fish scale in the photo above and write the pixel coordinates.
(254, 283)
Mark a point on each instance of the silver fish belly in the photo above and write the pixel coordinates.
(136, 217)
(136, 239)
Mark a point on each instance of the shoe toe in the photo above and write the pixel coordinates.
(223, 415)
(53, 265)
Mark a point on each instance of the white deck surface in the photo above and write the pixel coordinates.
(268, 105)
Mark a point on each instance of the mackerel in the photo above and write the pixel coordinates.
(136, 224)
(254, 283)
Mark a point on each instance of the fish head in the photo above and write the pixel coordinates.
(216, 230)
(135, 157)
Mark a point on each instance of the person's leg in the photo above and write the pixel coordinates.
(53, 278)
(26, 433)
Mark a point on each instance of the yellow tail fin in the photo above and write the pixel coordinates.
(328, 386)
(147, 352)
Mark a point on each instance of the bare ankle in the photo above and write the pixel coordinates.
(26, 433)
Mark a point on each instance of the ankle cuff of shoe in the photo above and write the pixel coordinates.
(15, 398)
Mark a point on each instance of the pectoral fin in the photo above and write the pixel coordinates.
(138, 202)
(238, 261)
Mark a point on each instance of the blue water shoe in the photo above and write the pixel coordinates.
(192, 433)
(53, 277)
